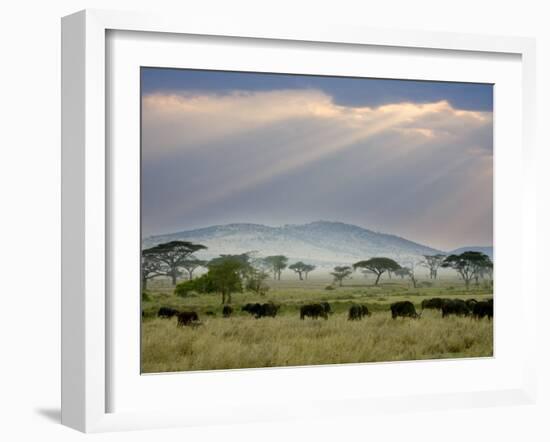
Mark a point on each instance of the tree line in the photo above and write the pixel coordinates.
(228, 274)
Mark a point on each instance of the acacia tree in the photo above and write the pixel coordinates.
(484, 268)
(225, 277)
(172, 255)
(150, 269)
(467, 264)
(300, 268)
(340, 273)
(411, 274)
(378, 266)
(402, 272)
(256, 282)
(308, 268)
(433, 262)
(242, 259)
(277, 263)
(190, 265)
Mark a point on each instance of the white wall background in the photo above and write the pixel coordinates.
(30, 213)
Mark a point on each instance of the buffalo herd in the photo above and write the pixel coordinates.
(459, 307)
(405, 309)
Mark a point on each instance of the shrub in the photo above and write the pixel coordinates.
(329, 287)
(183, 288)
(203, 284)
(145, 297)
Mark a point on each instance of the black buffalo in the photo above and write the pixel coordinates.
(227, 311)
(261, 310)
(433, 303)
(471, 303)
(167, 312)
(456, 307)
(251, 308)
(356, 312)
(187, 318)
(327, 307)
(210, 313)
(268, 309)
(482, 309)
(405, 309)
(313, 311)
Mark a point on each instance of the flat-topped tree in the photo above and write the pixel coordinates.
(309, 268)
(300, 268)
(468, 264)
(277, 263)
(172, 255)
(486, 269)
(402, 272)
(150, 268)
(191, 264)
(340, 273)
(243, 259)
(378, 266)
(433, 262)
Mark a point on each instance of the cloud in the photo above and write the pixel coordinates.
(202, 151)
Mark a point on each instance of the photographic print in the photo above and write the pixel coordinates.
(297, 220)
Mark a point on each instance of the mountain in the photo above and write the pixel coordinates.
(488, 250)
(322, 243)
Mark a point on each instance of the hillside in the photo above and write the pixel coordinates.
(322, 243)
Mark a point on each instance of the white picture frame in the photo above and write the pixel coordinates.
(87, 210)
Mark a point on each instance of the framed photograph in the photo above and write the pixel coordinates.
(252, 213)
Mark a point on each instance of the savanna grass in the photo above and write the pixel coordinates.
(245, 342)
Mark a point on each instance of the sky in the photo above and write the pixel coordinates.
(411, 158)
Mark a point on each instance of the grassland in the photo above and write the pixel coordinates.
(243, 342)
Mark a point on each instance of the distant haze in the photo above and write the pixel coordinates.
(322, 243)
(409, 158)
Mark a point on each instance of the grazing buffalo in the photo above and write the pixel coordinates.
(187, 318)
(434, 303)
(327, 307)
(313, 311)
(261, 310)
(471, 303)
(167, 312)
(482, 309)
(405, 309)
(251, 308)
(227, 311)
(356, 312)
(456, 307)
(268, 309)
(210, 313)
(365, 310)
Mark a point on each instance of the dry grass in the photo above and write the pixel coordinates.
(244, 342)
